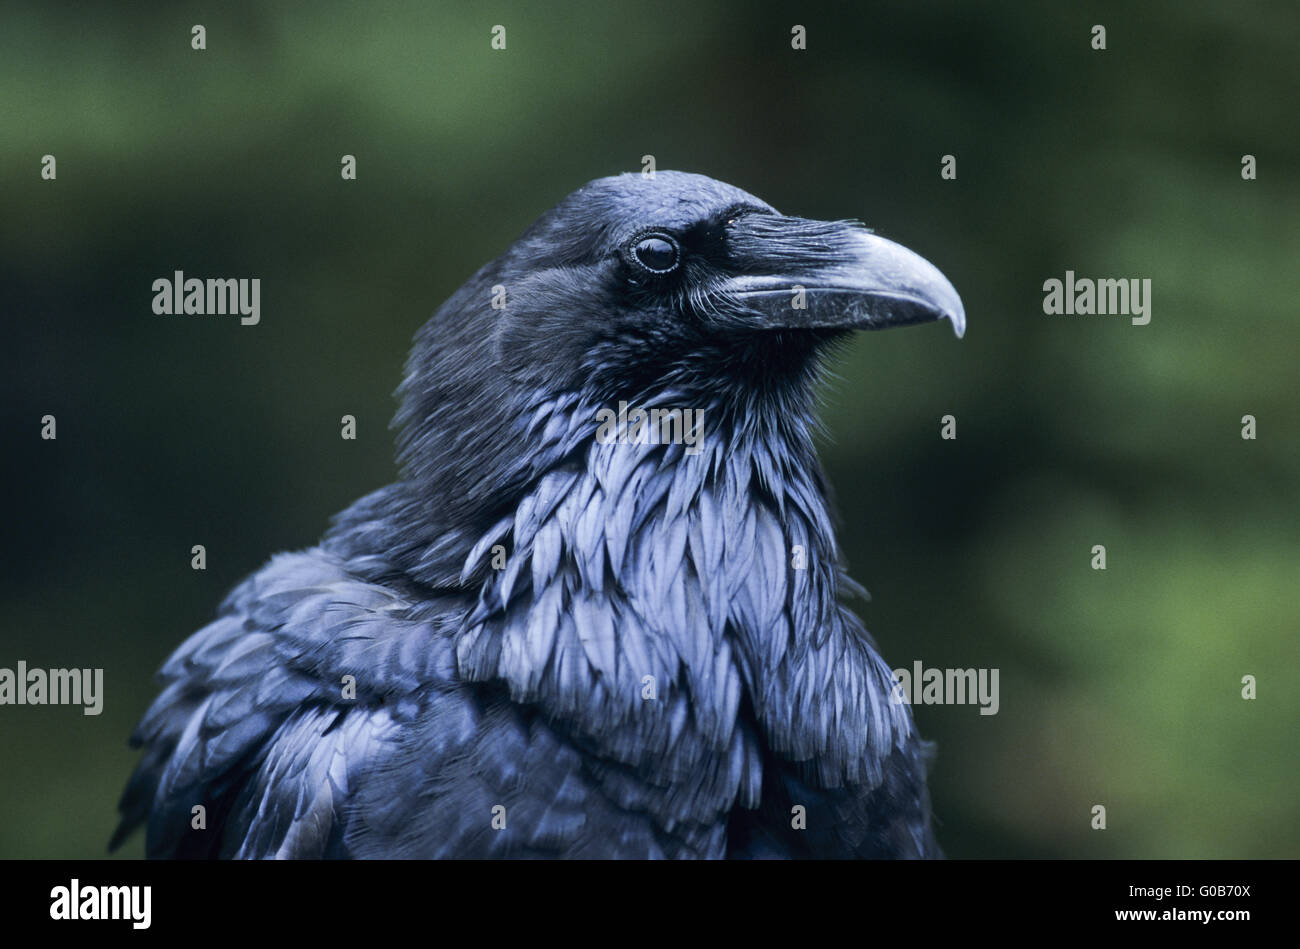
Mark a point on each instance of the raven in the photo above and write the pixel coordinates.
(547, 640)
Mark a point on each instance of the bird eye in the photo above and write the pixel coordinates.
(656, 253)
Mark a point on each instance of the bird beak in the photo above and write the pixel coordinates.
(801, 274)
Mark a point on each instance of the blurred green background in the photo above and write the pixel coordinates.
(1119, 687)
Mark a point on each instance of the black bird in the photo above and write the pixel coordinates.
(549, 638)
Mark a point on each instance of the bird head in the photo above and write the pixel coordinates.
(637, 287)
(636, 279)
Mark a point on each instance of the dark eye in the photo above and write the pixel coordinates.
(656, 252)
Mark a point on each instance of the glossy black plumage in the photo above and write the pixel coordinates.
(626, 567)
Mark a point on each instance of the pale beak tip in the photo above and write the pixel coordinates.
(958, 319)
